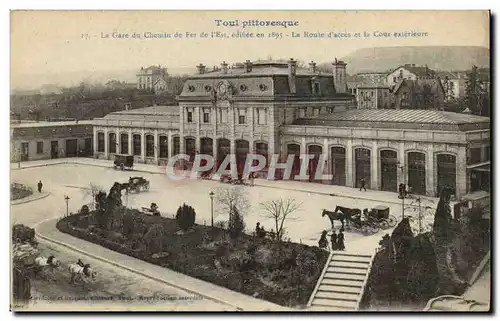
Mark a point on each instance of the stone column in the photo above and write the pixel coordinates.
(130, 142)
(106, 143)
(461, 160)
(118, 142)
(402, 166)
(326, 155)
(181, 130)
(143, 146)
(374, 166)
(430, 173)
(95, 140)
(483, 153)
(156, 146)
(349, 163)
(303, 146)
(170, 144)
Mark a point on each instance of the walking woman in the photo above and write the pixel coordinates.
(323, 242)
(333, 239)
(340, 241)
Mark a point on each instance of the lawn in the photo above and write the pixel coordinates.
(18, 191)
(284, 273)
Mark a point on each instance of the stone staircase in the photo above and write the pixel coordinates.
(342, 282)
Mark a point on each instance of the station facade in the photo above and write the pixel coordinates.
(272, 108)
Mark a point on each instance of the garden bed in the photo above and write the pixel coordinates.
(283, 273)
(18, 191)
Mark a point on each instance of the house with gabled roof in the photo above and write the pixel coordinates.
(152, 78)
(409, 72)
(418, 94)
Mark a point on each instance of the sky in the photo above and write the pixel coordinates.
(73, 43)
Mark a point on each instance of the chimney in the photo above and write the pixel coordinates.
(201, 68)
(312, 66)
(292, 70)
(339, 76)
(248, 66)
(223, 67)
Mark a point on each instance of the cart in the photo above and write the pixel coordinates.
(138, 184)
(123, 162)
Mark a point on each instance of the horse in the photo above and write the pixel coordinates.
(334, 216)
(43, 261)
(81, 272)
(348, 213)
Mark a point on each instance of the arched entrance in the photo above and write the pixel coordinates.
(190, 147)
(112, 143)
(242, 150)
(446, 172)
(137, 145)
(362, 160)
(223, 150)
(389, 170)
(316, 151)
(338, 166)
(163, 146)
(294, 149)
(207, 146)
(261, 148)
(124, 144)
(150, 146)
(177, 146)
(416, 173)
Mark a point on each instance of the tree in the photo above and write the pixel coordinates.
(477, 97)
(232, 198)
(186, 216)
(280, 211)
(236, 225)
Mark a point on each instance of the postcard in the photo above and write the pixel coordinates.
(256, 161)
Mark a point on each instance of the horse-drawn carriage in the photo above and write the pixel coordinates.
(367, 221)
(123, 161)
(137, 184)
(152, 210)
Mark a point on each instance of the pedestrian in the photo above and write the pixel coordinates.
(363, 183)
(40, 185)
(323, 242)
(333, 239)
(340, 241)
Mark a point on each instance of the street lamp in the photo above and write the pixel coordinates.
(212, 206)
(66, 198)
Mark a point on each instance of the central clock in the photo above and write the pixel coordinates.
(222, 89)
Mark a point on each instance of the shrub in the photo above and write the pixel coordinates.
(236, 225)
(153, 239)
(84, 210)
(185, 217)
(128, 224)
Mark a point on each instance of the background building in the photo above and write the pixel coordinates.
(418, 94)
(45, 140)
(152, 78)
(409, 72)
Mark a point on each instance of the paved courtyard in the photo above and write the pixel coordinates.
(306, 225)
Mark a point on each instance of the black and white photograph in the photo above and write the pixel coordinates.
(251, 161)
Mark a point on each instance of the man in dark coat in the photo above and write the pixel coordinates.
(340, 241)
(40, 185)
(363, 183)
(333, 239)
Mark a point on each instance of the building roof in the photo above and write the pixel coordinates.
(50, 124)
(150, 111)
(399, 118)
(418, 85)
(419, 71)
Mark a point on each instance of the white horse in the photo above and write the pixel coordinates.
(81, 272)
(43, 261)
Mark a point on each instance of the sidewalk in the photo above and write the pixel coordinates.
(46, 230)
(33, 197)
(306, 187)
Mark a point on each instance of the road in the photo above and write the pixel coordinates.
(74, 180)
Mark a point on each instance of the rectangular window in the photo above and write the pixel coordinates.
(316, 111)
(394, 79)
(189, 116)
(206, 117)
(241, 116)
(331, 110)
(39, 147)
(261, 115)
(371, 93)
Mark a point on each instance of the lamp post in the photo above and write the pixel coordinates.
(66, 198)
(212, 206)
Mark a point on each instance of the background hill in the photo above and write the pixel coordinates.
(382, 59)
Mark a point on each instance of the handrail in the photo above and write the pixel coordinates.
(320, 279)
(365, 281)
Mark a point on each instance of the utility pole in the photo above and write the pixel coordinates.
(66, 198)
(212, 207)
(419, 217)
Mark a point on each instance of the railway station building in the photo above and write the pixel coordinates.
(272, 108)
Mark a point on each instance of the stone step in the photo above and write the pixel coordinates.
(336, 258)
(339, 289)
(344, 276)
(336, 296)
(334, 269)
(319, 307)
(356, 284)
(357, 265)
(348, 254)
(335, 303)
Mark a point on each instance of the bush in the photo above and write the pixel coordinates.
(185, 217)
(236, 225)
